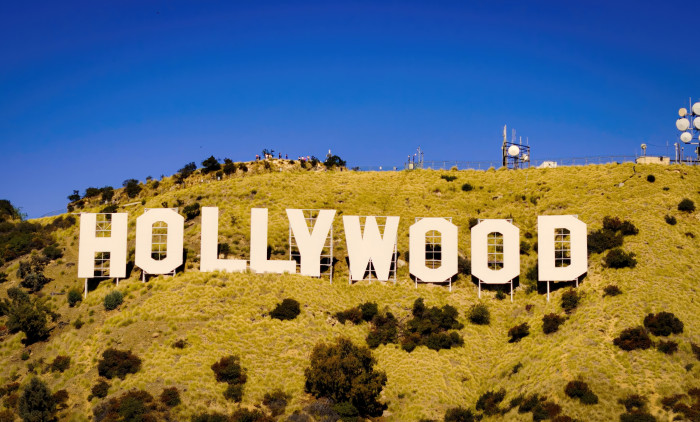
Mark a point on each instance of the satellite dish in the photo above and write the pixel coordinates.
(682, 112)
(526, 157)
(686, 137)
(696, 109)
(513, 150)
(696, 122)
(682, 124)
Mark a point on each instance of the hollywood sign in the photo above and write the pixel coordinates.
(365, 245)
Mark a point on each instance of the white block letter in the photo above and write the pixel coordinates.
(310, 244)
(448, 248)
(258, 246)
(480, 251)
(144, 240)
(209, 260)
(90, 244)
(577, 244)
(370, 245)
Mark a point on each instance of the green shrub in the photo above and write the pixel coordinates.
(346, 411)
(580, 390)
(617, 258)
(429, 326)
(3, 277)
(663, 324)
(287, 310)
(210, 165)
(634, 403)
(479, 314)
(131, 187)
(637, 417)
(551, 323)
(344, 372)
(113, 300)
(570, 300)
(7, 415)
(334, 161)
(36, 402)
(118, 363)
(696, 350)
(276, 402)
(651, 178)
(467, 187)
(26, 315)
(52, 252)
(385, 330)
(611, 290)
(614, 224)
(60, 363)
(600, 241)
(667, 347)
(448, 177)
(210, 417)
(229, 166)
(518, 332)
(671, 220)
(460, 414)
(632, 339)
(74, 296)
(234, 392)
(489, 401)
(134, 405)
(60, 398)
(686, 205)
(170, 397)
(100, 389)
(191, 211)
(228, 369)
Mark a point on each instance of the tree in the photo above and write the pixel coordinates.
(334, 161)
(229, 166)
(75, 196)
(26, 315)
(185, 172)
(131, 187)
(211, 164)
(36, 404)
(8, 211)
(107, 193)
(344, 372)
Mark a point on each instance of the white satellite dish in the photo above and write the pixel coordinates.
(513, 150)
(526, 157)
(696, 123)
(682, 112)
(696, 109)
(686, 137)
(682, 124)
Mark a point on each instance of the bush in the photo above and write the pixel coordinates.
(667, 347)
(353, 315)
(385, 330)
(344, 372)
(551, 323)
(7, 416)
(74, 296)
(696, 350)
(489, 401)
(601, 240)
(617, 258)
(671, 220)
(448, 177)
(276, 402)
(663, 324)
(26, 315)
(100, 389)
(229, 166)
(479, 314)
(334, 161)
(170, 397)
(234, 392)
(346, 411)
(686, 205)
(210, 165)
(611, 290)
(460, 414)
(634, 403)
(245, 415)
(570, 300)
(637, 417)
(633, 338)
(60, 398)
(118, 363)
(429, 326)
(228, 369)
(135, 405)
(651, 178)
(60, 363)
(287, 310)
(113, 300)
(580, 390)
(107, 193)
(3, 277)
(131, 187)
(52, 252)
(36, 402)
(210, 417)
(191, 211)
(467, 187)
(518, 332)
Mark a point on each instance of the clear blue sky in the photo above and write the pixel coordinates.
(95, 92)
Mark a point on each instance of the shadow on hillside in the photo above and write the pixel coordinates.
(370, 272)
(93, 282)
(541, 286)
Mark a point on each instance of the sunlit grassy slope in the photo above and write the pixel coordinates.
(220, 314)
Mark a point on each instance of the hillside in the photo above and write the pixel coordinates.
(219, 314)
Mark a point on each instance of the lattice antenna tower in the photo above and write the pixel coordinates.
(688, 123)
(515, 155)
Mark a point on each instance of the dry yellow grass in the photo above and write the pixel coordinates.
(221, 314)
